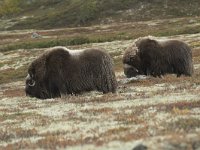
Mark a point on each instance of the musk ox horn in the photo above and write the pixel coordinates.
(28, 77)
(32, 83)
(61, 71)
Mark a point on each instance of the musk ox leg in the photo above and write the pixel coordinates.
(157, 75)
(107, 84)
(178, 75)
(65, 96)
(157, 69)
(62, 89)
(56, 86)
(183, 66)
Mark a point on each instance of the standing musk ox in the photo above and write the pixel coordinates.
(61, 71)
(151, 57)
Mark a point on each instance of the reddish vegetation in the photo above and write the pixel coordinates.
(14, 93)
(155, 111)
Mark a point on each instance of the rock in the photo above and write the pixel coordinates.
(140, 147)
(192, 21)
(128, 80)
(35, 35)
(174, 146)
(196, 145)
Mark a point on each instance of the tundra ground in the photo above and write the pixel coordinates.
(159, 113)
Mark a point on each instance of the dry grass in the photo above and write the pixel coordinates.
(155, 111)
(98, 34)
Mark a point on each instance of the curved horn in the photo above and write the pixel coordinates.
(32, 83)
(136, 50)
(28, 76)
(136, 70)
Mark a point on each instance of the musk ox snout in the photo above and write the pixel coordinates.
(61, 71)
(157, 58)
(130, 71)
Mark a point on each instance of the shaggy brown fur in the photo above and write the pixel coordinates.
(157, 58)
(61, 71)
(131, 62)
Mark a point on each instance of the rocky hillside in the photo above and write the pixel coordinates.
(26, 14)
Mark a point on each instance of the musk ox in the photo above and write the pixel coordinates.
(152, 57)
(61, 71)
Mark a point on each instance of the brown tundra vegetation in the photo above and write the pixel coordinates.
(157, 113)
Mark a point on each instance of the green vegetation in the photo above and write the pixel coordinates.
(45, 44)
(13, 75)
(99, 34)
(57, 42)
(67, 13)
(9, 7)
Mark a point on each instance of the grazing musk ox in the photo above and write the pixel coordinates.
(61, 71)
(152, 57)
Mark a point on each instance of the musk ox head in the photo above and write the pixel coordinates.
(132, 62)
(152, 57)
(61, 71)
